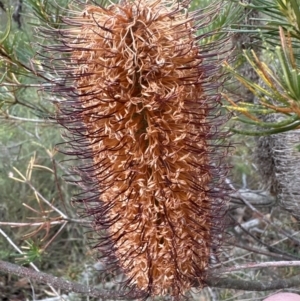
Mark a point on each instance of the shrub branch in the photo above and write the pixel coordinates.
(251, 285)
(60, 283)
(213, 281)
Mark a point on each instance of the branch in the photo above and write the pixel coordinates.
(257, 198)
(11, 117)
(61, 283)
(212, 281)
(251, 285)
(55, 222)
(254, 265)
(260, 251)
(20, 251)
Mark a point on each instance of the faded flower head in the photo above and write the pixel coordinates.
(142, 106)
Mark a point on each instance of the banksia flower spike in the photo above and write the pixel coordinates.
(143, 110)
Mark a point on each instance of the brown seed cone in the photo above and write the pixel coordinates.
(140, 78)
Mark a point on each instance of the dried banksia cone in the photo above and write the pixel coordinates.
(142, 105)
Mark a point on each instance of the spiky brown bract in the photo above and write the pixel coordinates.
(146, 106)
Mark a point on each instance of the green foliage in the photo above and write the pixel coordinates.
(278, 88)
(31, 253)
(217, 24)
(275, 14)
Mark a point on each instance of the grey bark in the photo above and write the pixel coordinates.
(212, 281)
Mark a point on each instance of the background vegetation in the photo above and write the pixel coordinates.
(40, 227)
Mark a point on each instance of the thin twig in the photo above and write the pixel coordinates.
(267, 264)
(36, 224)
(60, 298)
(269, 222)
(57, 182)
(270, 247)
(54, 236)
(16, 247)
(46, 201)
(19, 85)
(31, 224)
(262, 252)
(31, 263)
(261, 215)
(251, 285)
(11, 117)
